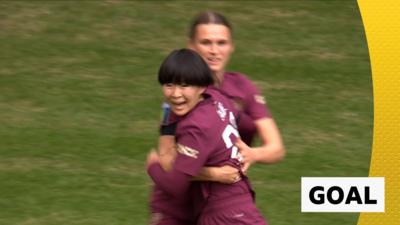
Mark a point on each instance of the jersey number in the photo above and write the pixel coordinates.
(226, 136)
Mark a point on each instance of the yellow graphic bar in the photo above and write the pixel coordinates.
(381, 20)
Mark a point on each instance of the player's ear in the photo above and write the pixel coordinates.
(202, 90)
(190, 44)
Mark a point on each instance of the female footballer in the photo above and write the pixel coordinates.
(205, 132)
(210, 35)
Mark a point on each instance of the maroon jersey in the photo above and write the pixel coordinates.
(205, 137)
(248, 100)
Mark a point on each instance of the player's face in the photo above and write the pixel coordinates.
(214, 43)
(182, 98)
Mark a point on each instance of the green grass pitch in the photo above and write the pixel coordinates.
(80, 104)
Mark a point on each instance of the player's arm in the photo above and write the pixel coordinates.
(167, 154)
(163, 179)
(192, 154)
(166, 145)
(272, 149)
(166, 151)
(225, 174)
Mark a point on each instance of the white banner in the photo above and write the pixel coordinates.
(342, 194)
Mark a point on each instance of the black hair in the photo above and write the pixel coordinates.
(185, 66)
(208, 17)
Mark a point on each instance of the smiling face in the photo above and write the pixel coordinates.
(182, 98)
(214, 44)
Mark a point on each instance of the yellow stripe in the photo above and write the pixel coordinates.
(381, 20)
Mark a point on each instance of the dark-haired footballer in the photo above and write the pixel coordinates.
(205, 135)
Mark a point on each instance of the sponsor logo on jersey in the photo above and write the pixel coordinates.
(221, 111)
(185, 150)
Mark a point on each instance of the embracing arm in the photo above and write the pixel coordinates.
(164, 179)
(272, 149)
(225, 174)
(167, 154)
(166, 151)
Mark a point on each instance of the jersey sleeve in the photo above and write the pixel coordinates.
(163, 179)
(192, 156)
(256, 106)
(194, 148)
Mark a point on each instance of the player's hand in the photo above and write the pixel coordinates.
(152, 158)
(248, 155)
(245, 167)
(225, 174)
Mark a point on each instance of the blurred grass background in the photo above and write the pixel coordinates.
(80, 104)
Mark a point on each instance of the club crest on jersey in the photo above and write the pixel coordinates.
(185, 150)
(221, 111)
(259, 99)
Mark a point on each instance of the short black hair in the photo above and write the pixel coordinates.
(185, 66)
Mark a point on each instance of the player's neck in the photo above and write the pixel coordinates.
(218, 78)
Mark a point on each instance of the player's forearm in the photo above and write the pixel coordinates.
(206, 174)
(167, 162)
(166, 144)
(166, 151)
(270, 153)
(272, 150)
(174, 182)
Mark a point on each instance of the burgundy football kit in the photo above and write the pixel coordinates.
(205, 137)
(248, 101)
